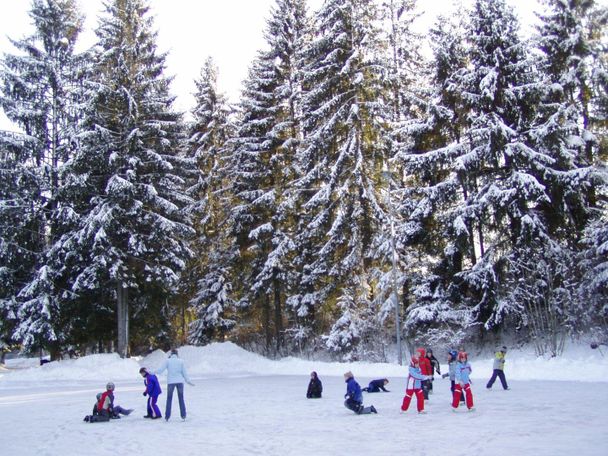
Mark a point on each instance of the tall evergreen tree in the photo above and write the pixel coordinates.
(431, 143)
(571, 128)
(263, 168)
(210, 270)
(128, 169)
(345, 144)
(40, 94)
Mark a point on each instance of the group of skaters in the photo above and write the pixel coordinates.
(105, 410)
(422, 368)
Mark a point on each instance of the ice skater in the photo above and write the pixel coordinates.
(176, 377)
(499, 369)
(153, 390)
(425, 369)
(435, 367)
(452, 361)
(354, 396)
(463, 382)
(414, 386)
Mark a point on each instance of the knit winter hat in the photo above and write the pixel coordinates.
(142, 370)
(348, 374)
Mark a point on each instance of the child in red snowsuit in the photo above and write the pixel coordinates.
(414, 386)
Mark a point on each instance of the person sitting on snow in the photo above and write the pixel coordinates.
(152, 391)
(315, 387)
(376, 385)
(354, 397)
(104, 409)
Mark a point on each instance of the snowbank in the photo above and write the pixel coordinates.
(229, 360)
(92, 367)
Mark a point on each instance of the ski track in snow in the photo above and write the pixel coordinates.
(269, 415)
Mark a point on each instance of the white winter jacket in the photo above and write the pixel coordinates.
(176, 371)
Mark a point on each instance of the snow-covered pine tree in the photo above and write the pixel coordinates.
(572, 42)
(571, 128)
(133, 229)
(208, 279)
(428, 149)
(41, 90)
(345, 125)
(263, 168)
(500, 172)
(594, 289)
(20, 242)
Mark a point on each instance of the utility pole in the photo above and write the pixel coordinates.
(394, 296)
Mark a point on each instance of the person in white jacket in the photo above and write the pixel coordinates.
(176, 377)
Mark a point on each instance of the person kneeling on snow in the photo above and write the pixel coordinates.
(152, 391)
(376, 385)
(104, 409)
(315, 387)
(354, 397)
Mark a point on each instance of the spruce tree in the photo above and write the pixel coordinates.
(209, 276)
(41, 94)
(345, 143)
(263, 168)
(128, 168)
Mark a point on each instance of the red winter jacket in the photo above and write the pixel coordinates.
(425, 363)
(106, 401)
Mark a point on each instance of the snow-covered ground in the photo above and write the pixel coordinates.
(245, 404)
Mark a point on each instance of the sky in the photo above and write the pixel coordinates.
(230, 31)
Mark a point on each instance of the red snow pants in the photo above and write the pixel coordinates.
(467, 394)
(408, 397)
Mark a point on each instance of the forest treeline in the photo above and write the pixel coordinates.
(455, 180)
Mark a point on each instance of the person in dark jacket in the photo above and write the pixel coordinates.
(315, 387)
(152, 391)
(376, 385)
(435, 367)
(354, 396)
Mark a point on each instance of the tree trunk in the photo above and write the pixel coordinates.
(278, 315)
(122, 315)
(266, 321)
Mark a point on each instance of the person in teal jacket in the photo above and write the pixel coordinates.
(499, 369)
(176, 377)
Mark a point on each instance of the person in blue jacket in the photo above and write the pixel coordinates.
(463, 382)
(354, 396)
(152, 391)
(176, 377)
(376, 385)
